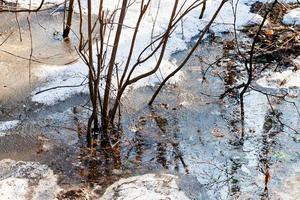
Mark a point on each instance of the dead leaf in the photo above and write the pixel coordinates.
(217, 132)
(269, 32)
(229, 45)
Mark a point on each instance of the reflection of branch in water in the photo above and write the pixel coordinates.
(6, 38)
(31, 49)
(139, 149)
(282, 97)
(178, 155)
(278, 117)
(209, 66)
(219, 176)
(161, 154)
(19, 28)
(21, 57)
(270, 128)
(249, 65)
(235, 188)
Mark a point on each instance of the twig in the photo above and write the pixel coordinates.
(62, 86)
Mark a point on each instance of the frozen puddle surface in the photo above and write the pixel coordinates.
(27, 180)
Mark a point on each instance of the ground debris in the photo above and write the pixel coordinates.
(217, 132)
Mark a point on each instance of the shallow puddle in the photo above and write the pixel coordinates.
(37, 43)
(19, 147)
(189, 130)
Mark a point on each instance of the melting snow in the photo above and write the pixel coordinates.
(22, 180)
(292, 17)
(74, 74)
(6, 125)
(285, 79)
(149, 186)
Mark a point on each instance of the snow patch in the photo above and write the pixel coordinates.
(65, 81)
(33, 4)
(20, 180)
(296, 62)
(7, 125)
(285, 79)
(256, 20)
(292, 17)
(149, 186)
(13, 189)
